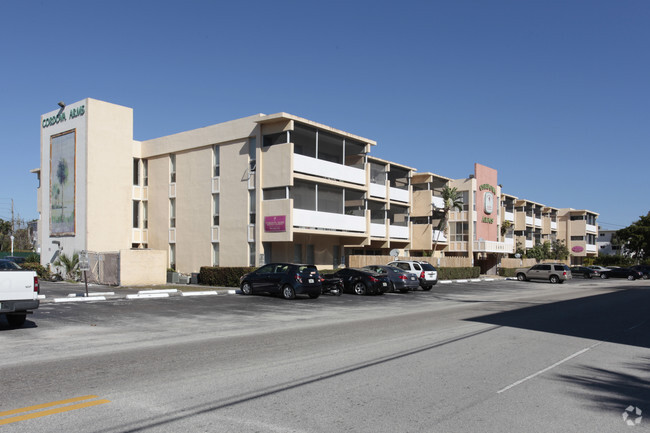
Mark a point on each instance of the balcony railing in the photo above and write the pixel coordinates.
(328, 221)
(592, 228)
(591, 248)
(437, 202)
(399, 194)
(378, 230)
(331, 170)
(529, 220)
(440, 235)
(509, 216)
(398, 232)
(377, 190)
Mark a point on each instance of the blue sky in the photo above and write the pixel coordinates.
(555, 95)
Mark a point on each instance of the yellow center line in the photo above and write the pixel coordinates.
(51, 411)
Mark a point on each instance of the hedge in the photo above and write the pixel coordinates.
(223, 277)
(458, 273)
(508, 272)
(42, 272)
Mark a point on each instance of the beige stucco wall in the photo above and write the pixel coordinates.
(421, 203)
(139, 267)
(276, 166)
(110, 179)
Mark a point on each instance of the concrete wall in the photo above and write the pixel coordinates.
(140, 267)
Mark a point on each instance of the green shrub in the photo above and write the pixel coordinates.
(458, 273)
(224, 277)
(508, 272)
(41, 271)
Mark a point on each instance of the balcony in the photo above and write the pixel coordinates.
(398, 232)
(440, 235)
(591, 248)
(553, 225)
(493, 247)
(378, 230)
(398, 194)
(327, 169)
(509, 216)
(310, 219)
(538, 222)
(529, 220)
(437, 202)
(592, 228)
(377, 190)
(530, 243)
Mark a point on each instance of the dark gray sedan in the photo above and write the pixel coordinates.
(400, 279)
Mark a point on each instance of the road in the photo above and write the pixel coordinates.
(498, 356)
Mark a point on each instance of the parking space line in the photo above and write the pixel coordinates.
(41, 413)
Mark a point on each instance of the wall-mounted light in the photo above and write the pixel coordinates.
(62, 104)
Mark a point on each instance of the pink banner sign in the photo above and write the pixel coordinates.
(577, 249)
(275, 224)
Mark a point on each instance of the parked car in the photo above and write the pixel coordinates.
(361, 281)
(286, 279)
(426, 272)
(19, 289)
(399, 279)
(628, 273)
(603, 270)
(554, 272)
(16, 260)
(644, 269)
(584, 272)
(333, 286)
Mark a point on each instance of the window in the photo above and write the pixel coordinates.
(272, 139)
(172, 256)
(330, 147)
(251, 254)
(145, 172)
(577, 238)
(136, 171)
(215, 209)
(275, 193)
(377, 174)
(330, 199)
(216, 161)
(252, 152)
(251, 206)
(145, 215)
(310, 254)
(172, 168)
(304, 140)
(215, 254)
(398, 216)
(464, 197)
(577, 217)
(303, 195)
(297, 253)
(459, 231)
(136, 214)
(172, 212)
(354, 202)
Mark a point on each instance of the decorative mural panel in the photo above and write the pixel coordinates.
(63, 183)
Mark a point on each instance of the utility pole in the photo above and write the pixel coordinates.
(13, 228)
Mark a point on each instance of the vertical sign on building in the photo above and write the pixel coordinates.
(62, 183)
(486, 203)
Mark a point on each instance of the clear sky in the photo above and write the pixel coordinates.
(555, 95)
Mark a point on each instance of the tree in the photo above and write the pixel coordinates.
(68, 263)
(636, 237)
(453, 199)
(559, 250)
(62, 176)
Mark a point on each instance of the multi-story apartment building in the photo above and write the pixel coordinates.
(259, 189)
(580, 230)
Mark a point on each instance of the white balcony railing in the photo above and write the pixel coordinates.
(440, 235)
(529, 244)
(553, 225)
(399, 195)
(538, 222)
(529, 220)
(493, 247)
(328, 221)
(591, 248)
(378, 230)
(377, 190)
(398, 232)
(437, 202)
(331, 170)
(509, 216)
(592, 228)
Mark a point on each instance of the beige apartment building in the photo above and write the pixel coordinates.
(259, 189)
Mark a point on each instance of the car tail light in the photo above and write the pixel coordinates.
(403, 277)
(299, 278)
(422, 275)
(37, 288)
(321, 279)
(564, 273)
(373, 279)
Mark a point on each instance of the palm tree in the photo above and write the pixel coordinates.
(69, 263)
(453, 199)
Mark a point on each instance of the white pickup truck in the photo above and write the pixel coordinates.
(18, 292)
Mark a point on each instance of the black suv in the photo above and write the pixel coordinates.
(287, 279)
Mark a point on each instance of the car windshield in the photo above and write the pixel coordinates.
(8, 265)
(307, 270)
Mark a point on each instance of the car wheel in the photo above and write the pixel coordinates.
(521, 277)
(645, 276)
(403, 290)
(630, 277)
(288, 292)
(392, 288)
(314, 295)
(588, 276)
(426, 288)
(16, 320)
(603, 276)
(246, 288)
(359, 288)
(554, 279)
